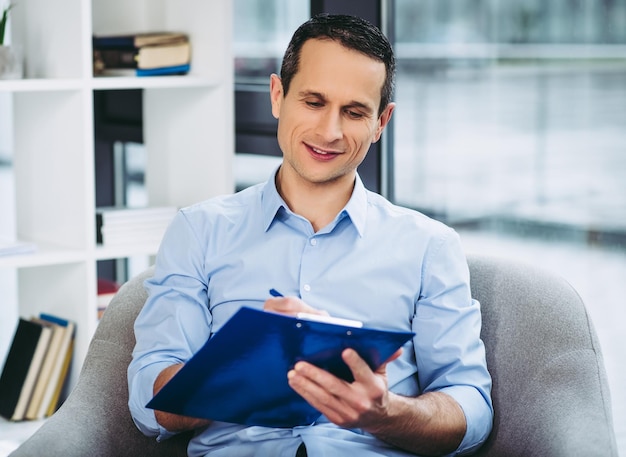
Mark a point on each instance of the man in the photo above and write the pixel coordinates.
(317, 235)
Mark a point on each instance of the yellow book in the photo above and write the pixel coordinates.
(173, 55)
(67, 336)
(56, 395)
(46, 369)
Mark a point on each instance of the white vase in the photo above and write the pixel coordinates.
(10, 62)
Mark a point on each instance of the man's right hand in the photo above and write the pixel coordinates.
(170, 421)
(290, 306)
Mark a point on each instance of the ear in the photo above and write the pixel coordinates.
(276, 94)
(383, 120)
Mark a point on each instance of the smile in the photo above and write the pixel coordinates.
(322, 154)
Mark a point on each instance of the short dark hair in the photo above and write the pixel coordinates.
(351, 32)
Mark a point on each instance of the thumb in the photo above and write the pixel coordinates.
(383, 368)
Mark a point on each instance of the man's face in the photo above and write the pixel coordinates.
(329, 117)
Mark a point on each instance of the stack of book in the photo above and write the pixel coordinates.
(143, 54)
(16, 247)
(125, 226)
(36, 367)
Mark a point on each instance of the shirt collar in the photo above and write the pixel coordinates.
(355, 209)
(271, 201)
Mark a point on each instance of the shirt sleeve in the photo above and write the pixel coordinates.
(449, 352)
(174, 322)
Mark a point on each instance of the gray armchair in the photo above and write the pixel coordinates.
(550, 390)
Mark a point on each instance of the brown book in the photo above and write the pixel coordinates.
(159, 38)
(115, 58)
(137, 40)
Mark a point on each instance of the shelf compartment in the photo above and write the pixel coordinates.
(209, 54)
(61, 290)
(53, 170)
(185, 158)
(51, 35)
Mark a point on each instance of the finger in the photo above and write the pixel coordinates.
(360, 369)
(323, 391)
(313, 376)
(392, 357)
(317, 384)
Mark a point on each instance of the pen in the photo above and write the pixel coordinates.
(275, 293)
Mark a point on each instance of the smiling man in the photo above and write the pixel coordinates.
(316, 234)
(327, 118)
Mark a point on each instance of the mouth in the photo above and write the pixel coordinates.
(321, 154)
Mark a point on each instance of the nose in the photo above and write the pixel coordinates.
(330, 126)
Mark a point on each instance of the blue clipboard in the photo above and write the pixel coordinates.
(240, 374)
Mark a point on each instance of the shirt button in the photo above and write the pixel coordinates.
(307, 288)
(313, 241)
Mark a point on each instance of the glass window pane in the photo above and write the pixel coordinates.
(511, 127)
(262, 30)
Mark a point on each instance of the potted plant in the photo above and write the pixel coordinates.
(3, 22)
(10, 61)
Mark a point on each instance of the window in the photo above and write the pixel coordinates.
(262, 30)
(512, 110)
(511, 127)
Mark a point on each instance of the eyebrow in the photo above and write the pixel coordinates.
(353, 104)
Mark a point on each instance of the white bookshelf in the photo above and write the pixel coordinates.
(188, 135)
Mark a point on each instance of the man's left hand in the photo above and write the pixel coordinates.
(359, 404)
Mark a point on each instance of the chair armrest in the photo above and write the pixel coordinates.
(562, 413)
(550, 391)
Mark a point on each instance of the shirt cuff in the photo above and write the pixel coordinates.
(141, 388)
(478, 417)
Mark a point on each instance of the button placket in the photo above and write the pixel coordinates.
(307, 273)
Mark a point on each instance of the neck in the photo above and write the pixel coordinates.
(319, 203)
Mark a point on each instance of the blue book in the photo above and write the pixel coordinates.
(240, 374)
(54, 319)
(114, 42)
(163, 71)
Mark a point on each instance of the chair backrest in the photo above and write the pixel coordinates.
(550, 391)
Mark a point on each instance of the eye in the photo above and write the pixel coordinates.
(314, 104)
(354, 114)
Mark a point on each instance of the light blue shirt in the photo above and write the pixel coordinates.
(387, 266)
